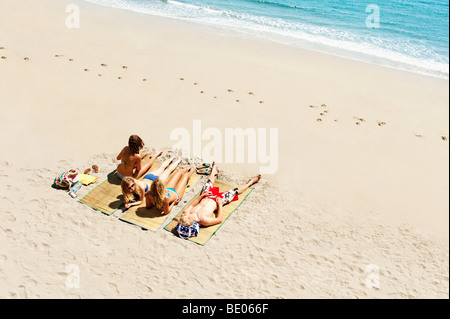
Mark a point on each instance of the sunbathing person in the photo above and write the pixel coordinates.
(200, 212)
(131, 159)
(131, 186)
(167, 195)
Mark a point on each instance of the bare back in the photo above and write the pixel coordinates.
(129, 162)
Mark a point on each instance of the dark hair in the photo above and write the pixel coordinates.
(135, 144)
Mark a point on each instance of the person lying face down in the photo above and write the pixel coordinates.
(167, 195)
(206, 208)
(134, 190)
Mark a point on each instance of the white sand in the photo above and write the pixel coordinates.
(345, 196)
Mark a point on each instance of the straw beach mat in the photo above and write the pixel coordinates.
(107, 196)
(153, 218)
(206, 233)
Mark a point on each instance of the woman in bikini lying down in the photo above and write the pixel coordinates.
(167, 195)
(201, 211)
(131, 159)
(131, 186)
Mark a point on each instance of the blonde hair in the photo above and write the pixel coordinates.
(127, 194)
(186, 221)
(158, 191)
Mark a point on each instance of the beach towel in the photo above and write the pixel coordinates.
(206, 233)
(87, 179)
(107, 196)
(152, 219)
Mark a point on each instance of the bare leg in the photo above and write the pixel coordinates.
(214, 172)
(164, 176)
(183, 181)
(244, 187)
(163, 166)
(147, 165)
(173, 180)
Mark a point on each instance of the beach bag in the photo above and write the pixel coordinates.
(66, 179)
(186, 232)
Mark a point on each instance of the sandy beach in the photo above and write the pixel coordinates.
(359, 187)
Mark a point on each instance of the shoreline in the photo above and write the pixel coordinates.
(376, 86)
(315, 47)
(365, 184)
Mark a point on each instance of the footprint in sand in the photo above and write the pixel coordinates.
(195, 83)
(4, 58)
(202, 92)
(100, 75)
(2, 48)
(323, 105)
(251, 93)
(261, 102)
(144, 80)
(230, 90)
(215, 97)
(181, 79)
(359, 119)
(26, 59)
(319, 120)
(119, 78)
(86, 70)
(104, 65)
(124, 67)
(418, 135)
(444, 138)
(312, 106)
(237, 101)
(70, 60)
(59, 55)
(381, 123)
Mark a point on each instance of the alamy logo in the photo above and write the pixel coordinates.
(73, 19)
(373, 276)
(373, 19)
(234, 145)
(73, 277)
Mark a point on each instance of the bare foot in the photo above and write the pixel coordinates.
(175, 160)
(255, 179)
(157, 154)
(214, 171)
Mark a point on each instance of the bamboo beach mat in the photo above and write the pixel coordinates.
(153, 218)
(107, 196)
(206, 233)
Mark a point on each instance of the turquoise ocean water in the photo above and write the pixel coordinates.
(405, 34)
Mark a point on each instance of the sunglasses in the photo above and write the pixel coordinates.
(131, 186)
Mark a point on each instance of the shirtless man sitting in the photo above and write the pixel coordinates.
(201, 210)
